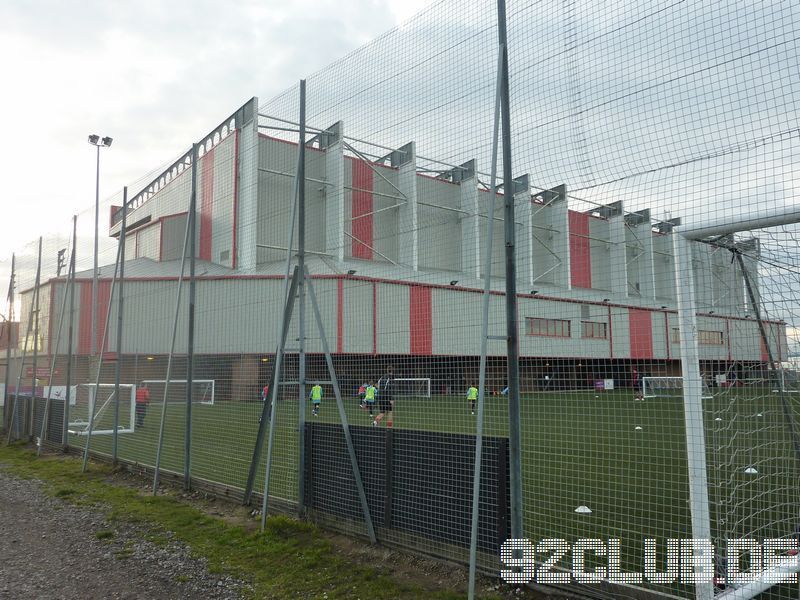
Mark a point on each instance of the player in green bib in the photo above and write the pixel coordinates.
(369, 397)
(316, 398)
(472, 396)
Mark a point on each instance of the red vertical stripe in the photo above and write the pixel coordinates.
(641, 331)
(85, 318)
(206, 205)
(103, 299)
(764, 353)
(362, 205)
(339, 314)
(580, 257)
(420, 319)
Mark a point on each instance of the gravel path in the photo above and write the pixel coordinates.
(50, 549)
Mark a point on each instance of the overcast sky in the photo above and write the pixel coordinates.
(152, 75)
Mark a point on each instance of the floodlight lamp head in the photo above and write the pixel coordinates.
(534, 292)
(454, 282)
(606, 300)
(93, 139)
(107, 141)
(351, 272)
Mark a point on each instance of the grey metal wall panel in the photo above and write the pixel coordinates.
(744, 340)
(173, 233)
(315, 201)
(149, 317)
(393, 319)
(357, 316)
(621, 332)
(385, 223)
(660, 322)
(599, 250)
(277, 166)
(457, 318)
(148, 242)
(222, 206)
(439, 229)
(663, 267)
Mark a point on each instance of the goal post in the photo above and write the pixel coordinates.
(661, 387)
(203, 390)
(94, 403)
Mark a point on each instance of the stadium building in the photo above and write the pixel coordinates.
(396, 252)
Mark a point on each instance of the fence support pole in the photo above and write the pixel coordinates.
(54, 349)
(301, 264)
(65, 429)
(487, 287)
(9, 322)
(118, 366)
(187, 440)
(791, 425)
(15, 413)
(693, 417)
(161, 427)
(273, 390)
(342, 415)
(102, 348)
(251, 476)
(514, 426)
(36, 299)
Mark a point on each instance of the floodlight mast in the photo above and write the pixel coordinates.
(105, 142)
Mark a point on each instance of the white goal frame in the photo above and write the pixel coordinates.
(127, 392)
(207, 402)
(423, 381)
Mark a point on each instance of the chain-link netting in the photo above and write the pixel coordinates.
(657, 390)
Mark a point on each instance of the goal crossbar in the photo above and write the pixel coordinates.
(203, 390)
(651, 386)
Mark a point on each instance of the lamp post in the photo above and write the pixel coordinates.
(98, 142)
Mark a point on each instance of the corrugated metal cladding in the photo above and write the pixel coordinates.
(238, 315)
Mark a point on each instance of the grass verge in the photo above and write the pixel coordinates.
(291, 559)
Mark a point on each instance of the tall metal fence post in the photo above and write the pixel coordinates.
(93, 403)
(187, 441)
(9, 324)
(487, 288)
(36, 294)
(120, 322)
(512, 329)
(65, 430)
(16, 415)
(163, 420)
(301, 245)
(54, 348)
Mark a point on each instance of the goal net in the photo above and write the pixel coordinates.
(95, 404)
(176, 392)
(407, 387)
(750, 311)
(667, 387)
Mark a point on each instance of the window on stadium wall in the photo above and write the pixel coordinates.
(704, 336)
(594, 329)
(548, 327)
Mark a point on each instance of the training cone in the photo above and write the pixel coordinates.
(751, 471)
(718, 419)
(583, 510)
(637, 428)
